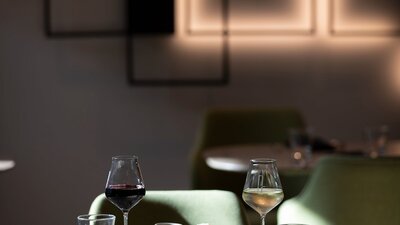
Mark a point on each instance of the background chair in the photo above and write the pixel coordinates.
(185, 207)
(223, 127)
(234, 127)
(348, 191)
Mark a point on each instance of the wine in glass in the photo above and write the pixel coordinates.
(125, 186)
(262, 190)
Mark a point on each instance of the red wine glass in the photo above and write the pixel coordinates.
(125, 186)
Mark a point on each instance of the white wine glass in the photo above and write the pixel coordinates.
(125, 186)
(262, 190)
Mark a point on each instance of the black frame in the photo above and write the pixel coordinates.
(131, 31)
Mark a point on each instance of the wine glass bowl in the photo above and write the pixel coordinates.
(125, 186)
(262, 190)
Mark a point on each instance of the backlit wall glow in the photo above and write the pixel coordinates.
(251, 17)
(365, 17)
(204, 21)
(341, 17)
(394, 70)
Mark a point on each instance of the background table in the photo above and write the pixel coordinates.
(236, 157)
(6, 164)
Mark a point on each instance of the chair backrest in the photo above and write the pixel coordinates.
(247, 126)
(185, 207)
(234, 127)
(346, 191)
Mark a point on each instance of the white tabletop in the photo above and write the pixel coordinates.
(236, 158)
(6, 164)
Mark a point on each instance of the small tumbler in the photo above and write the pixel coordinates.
(96, 219)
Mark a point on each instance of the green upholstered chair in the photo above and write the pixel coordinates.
(294, 180)
(186, 207)
(348, 191)
(235, 127)
(223, 127)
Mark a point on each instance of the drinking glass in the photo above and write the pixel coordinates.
(125, 186)
(377, 138)
(96, 219)
(262, 190)
(293, 224)
(300, 141)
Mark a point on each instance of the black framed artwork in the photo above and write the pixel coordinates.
(99, 18)
(129, 19)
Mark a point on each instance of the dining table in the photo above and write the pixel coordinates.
(236, 158)
(6, 164)
(294, 174)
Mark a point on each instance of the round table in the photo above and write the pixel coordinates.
(236, 158)
(6, 165)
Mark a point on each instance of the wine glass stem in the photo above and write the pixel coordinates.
(125, 218)
(262, 220)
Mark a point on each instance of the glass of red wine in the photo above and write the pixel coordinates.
(125, 186)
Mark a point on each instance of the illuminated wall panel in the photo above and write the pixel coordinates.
(255, 17)
(204, 16)
(365, 17)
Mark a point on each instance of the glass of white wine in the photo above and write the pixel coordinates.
(262, 190)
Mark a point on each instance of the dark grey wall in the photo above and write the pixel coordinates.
(65, 106)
